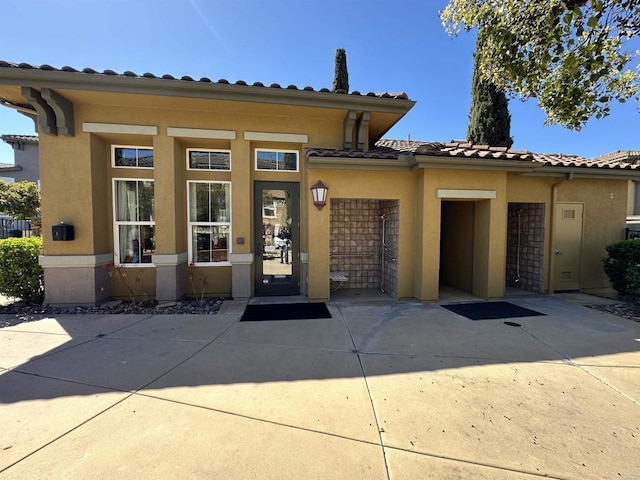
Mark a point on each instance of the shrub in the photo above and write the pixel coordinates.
(633, 284)
(20, 274)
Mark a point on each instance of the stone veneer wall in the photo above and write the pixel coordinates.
(356, 241)
(531, 246)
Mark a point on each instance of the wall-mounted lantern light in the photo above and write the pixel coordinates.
(319, 192)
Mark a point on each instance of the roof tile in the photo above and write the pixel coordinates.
(389, 148)
(19, 138)
(186, 78)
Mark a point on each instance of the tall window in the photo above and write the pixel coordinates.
(134, 221)
(133, 157)
(208, 159)
(286, 160)
(209, 221)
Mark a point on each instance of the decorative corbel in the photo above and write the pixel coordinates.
(363, 131)
(349, 122)
(46, 115)
(63, 109)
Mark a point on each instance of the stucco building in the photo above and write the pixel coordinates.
(189, 185)
(25, 166)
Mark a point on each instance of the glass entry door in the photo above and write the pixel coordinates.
(277, 238)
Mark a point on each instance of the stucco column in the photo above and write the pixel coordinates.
(170, 256)
(318, 265)
(427, 267)
(241, 255)
(74, 270)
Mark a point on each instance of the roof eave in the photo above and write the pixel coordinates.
(197, 89)
(473, 163)
(586, 172)
(402, 163)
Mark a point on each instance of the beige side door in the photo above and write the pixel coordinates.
(567, 246)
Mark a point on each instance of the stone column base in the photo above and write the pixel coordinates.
(170, 273)
(76, 279)
(241, 278)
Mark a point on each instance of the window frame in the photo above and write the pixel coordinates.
(117, 223)
(137, 147)
(191, 224)
(276, 150)
(209, 150)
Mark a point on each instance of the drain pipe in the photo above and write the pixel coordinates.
(553, 253)
(383, 217)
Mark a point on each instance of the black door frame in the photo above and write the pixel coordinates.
(271, 285)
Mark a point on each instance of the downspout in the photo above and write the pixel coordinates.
(552, 252)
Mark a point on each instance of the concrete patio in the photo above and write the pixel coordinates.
(382, 390)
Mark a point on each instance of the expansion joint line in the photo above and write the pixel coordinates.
(581, 367)
(366, 383)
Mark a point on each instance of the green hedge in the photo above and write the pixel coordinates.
(20, 274)
(622, 266)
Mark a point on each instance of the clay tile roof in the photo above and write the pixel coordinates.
(628, 156)
(186, 78)
(19, 138)
(392, 149)
(381, 153)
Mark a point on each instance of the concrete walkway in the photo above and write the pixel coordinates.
(383, 390)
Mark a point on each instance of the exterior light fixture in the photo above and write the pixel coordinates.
(319, 192)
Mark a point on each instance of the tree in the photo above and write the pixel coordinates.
(341, 78)
(20, 200)
(489, 118)
(571, 55)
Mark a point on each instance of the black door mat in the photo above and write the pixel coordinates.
(491, 310)
(285, 311)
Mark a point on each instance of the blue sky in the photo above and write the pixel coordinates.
(391, 45)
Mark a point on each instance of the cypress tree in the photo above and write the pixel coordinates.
(489, 118)
(341, 78)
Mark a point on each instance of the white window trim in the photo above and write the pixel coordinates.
(191, 224)
(113, 156)
(276, 150)
(116, 224)
(221, 150)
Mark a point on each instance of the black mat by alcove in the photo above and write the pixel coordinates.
(491, 310)
(285, 311)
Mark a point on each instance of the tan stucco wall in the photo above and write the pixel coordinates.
(399, 186)
(489, 229)
(605, 204)
(77, 187)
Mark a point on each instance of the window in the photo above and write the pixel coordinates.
(132, 157)
(277, 160)
(209, 222)
(208, 159)
(134, 221)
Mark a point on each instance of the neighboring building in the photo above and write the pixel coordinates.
(26, 166)
(165, 176)
(633, 199)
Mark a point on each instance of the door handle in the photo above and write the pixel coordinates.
(556, 252)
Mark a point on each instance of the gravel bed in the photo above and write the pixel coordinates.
(14, 313)
(624, 310)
